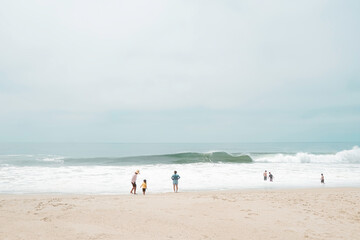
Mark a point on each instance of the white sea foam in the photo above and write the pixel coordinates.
(194, 177)
(290, 171)
(345, 156)
(55, 159)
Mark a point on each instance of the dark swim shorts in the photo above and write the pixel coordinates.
(265, 178)
(134, 184)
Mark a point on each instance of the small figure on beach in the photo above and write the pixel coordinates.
(144, 186)
(271, 176)
(133, 182)
(322, 179)
(175, 179)
(265, 175)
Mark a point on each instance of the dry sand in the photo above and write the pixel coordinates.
(253, 214)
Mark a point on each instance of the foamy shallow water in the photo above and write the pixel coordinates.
(194, 177)
(212, 170)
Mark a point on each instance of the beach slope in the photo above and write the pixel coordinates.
(324, 213)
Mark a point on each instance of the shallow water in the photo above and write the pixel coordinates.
(107, 168)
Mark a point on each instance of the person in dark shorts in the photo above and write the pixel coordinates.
(322, 179)
(265, 175)
(133, 182)
(144, 186)
(271, 177)
(175, 179)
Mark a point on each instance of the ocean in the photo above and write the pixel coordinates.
(107, 168)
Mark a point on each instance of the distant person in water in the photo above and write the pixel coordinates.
(133, 182)
(322, 179)
(144, 186)
(175, 179)
(271, 177)
(265, 175)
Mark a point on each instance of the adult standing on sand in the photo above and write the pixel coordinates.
(322, 179)
(175, 179)
(133, 182)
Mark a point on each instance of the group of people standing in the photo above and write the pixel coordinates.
(175, 178)
(271, 177)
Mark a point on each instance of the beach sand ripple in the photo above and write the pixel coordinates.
(249, 214)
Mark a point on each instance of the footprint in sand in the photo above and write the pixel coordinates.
(46, 219)
(40, 206)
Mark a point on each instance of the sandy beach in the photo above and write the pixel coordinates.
(249, 214)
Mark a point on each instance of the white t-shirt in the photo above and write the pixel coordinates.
(134, 178)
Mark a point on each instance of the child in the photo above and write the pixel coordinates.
(143, 186)
(322, 179)
(271, 177)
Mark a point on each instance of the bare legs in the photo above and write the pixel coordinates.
(175, 187)
(133, 189)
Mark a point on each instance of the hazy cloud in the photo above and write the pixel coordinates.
(238, 70)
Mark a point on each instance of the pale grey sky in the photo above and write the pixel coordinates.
(179, 71)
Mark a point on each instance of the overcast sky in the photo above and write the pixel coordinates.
(179, 71)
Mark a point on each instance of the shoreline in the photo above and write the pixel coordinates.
(181, 191)
(315, 213)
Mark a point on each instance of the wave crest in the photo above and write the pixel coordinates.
(345, 156)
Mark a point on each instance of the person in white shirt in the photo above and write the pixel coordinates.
(133, 182)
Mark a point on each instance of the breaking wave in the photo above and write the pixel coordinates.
(345, 156)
